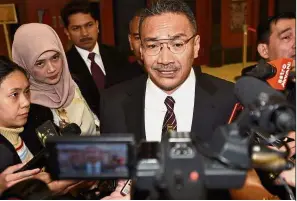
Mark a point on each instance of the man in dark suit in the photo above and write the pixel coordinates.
(93, 66)
(174, 95)
(134, 40)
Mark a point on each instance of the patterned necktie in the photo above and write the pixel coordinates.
(97, 73)
(169, 119)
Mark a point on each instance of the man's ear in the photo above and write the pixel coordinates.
(67, 33)
(263, 50)
(129, 38)
(97, 25)
(141, 52)
(196, 45)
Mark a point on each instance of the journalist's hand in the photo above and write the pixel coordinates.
(289, 176)
(8, 178)
(116, 195)
(58, 187)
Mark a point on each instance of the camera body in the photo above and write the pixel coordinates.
(174, 168)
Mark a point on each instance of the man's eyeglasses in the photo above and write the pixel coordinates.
(176, 46)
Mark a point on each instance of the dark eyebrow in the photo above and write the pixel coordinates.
(57, 54)
(170, 38)
(40, 60)
(81, 25)
(19, 89)
(15, 89)
(285, 30)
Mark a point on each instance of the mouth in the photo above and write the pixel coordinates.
(53, 77)
(86, 40)
(167, 73)
(24, 115)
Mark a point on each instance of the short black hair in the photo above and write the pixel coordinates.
(264, 28)
(7, 67)
(74, 7)
(138, 13)
(159, 7)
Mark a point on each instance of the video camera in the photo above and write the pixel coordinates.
(182, 166)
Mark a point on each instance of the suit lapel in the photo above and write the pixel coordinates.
(134, 109)
(203, 107)
(110, 71)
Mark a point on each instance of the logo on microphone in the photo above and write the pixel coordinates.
(283, 67)
(284, 74)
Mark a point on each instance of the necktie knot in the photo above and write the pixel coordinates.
(92, 56)
(169, 102)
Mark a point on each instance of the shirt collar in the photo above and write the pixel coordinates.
(155, 96)
(85, 53)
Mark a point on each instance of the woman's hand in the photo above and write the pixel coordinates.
(116, 195)
(8, 178)
(58, 187)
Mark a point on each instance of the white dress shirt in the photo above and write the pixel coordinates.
(84, 54)
(155, 108)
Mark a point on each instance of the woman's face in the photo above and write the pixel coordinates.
(14, 100)
(48, 68)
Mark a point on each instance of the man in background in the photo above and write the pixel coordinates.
(134, 39)
(276, 38)
(93, 66)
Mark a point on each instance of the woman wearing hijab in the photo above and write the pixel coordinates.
(38, 49)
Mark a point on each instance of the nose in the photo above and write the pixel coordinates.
(51, 68)
(25, 100)
(84, 31)
(165, 56)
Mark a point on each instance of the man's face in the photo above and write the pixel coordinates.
(282, 41)
(166, 69)
(134, 38)
(82, 30)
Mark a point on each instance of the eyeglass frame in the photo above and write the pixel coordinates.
(161, 45)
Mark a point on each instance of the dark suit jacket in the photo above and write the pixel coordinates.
(122, 110)
(122, 106)
(117, 70)
(37, 115)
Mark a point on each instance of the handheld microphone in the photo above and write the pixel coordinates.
(248, 90)
(43, 132)
(276, 72)
(283, 67)
(70, 129)
(275, 114)
(48, 129)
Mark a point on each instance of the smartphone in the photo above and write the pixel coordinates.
(127, 187)
(38, 161)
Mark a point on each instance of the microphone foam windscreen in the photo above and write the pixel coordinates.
(247, 90)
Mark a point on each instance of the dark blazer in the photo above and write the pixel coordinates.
(117, 70)
(122, 110)
(122, 106)
(37, 115)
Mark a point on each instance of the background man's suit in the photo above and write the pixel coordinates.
(116, 66)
